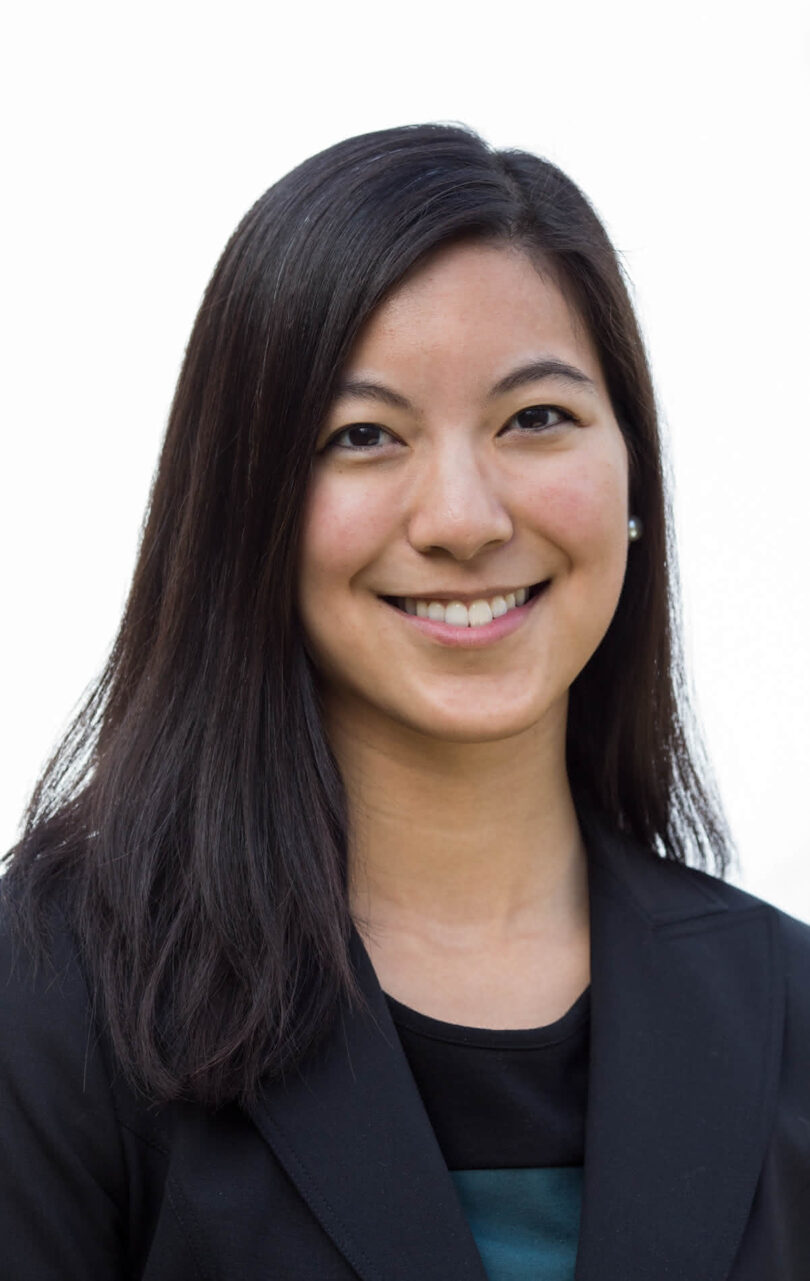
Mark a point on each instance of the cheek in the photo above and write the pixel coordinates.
(345, 526)
(583, 509)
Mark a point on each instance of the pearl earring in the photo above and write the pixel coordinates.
(634, 529)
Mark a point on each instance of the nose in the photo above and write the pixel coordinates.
(457, 507)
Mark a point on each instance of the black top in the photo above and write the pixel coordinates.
(502, 1099)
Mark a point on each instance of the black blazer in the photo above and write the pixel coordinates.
(697, 1162)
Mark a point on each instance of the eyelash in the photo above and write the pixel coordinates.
(565, 416)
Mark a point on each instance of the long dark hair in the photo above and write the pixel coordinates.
(193, 817)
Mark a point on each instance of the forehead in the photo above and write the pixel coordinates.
(471, 312)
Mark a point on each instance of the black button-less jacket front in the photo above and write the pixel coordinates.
(697, 1163)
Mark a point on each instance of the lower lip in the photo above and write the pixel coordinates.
(473, 637)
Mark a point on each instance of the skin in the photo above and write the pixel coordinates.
(468, 876)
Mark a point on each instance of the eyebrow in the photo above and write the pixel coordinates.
(538, 370)
(371, 391)
(534, 371)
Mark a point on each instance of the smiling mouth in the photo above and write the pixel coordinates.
(477, 613)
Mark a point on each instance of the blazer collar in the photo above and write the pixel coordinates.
(687, 1007)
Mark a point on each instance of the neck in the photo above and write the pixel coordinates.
(476, 840)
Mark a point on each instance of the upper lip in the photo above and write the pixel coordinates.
(466, 597)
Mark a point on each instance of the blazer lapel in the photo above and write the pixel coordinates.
(353, 1136)
(687, 1007)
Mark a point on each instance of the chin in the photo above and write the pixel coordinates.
(481, 724)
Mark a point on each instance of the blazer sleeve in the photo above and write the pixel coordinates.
(62, 1173)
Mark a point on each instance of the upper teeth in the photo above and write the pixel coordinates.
(457, 614)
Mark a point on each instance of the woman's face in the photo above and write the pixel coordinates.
(471, 455)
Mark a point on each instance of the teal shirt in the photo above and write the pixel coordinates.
(525, 1222)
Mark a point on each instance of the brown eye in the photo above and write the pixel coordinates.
(540, 418)
(360, 436)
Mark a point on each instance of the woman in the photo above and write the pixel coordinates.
(351, 933)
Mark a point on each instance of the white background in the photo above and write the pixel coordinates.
(138, 136)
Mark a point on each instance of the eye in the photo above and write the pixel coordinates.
(540, 418)
(360, 436)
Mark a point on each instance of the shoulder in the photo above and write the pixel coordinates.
(50, 1048)
(55, 1051)
(63, 1166)
(790, 938)
(670, 895)
(42, 988)
(52, 1038)
(732, 895)
(57, 1061)
(665, 889)
(793, 934)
